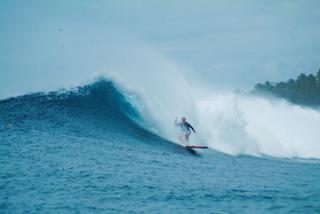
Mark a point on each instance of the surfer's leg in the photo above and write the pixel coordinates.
(187, 134)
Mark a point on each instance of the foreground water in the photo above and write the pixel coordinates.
(78, 153)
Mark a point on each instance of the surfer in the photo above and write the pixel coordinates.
(185, 126)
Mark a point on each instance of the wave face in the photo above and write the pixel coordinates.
(97, 110)
(88, 105)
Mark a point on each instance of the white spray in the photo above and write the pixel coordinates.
(227, 122)
(238, 124)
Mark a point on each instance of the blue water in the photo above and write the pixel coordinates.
(79, 152)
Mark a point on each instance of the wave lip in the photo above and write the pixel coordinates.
(97, 106)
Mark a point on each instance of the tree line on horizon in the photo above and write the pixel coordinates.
(304, 90)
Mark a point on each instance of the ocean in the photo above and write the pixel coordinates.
(91, 150)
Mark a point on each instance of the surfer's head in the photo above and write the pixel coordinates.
(184, 119)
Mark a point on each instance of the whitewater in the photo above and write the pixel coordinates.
(233, 123)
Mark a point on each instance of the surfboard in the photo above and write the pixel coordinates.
(197, 147)
(192, 148)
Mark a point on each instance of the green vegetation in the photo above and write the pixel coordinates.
(305, 90)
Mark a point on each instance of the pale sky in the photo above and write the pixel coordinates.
(48, 44)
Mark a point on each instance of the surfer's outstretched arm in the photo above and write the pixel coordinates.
(191, 128)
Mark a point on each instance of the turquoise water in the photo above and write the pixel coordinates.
(78, 152)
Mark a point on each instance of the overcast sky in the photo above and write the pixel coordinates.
(50, 44)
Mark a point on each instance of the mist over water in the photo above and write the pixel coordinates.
(225, 121)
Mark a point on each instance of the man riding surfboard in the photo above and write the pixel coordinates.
(186, 128)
